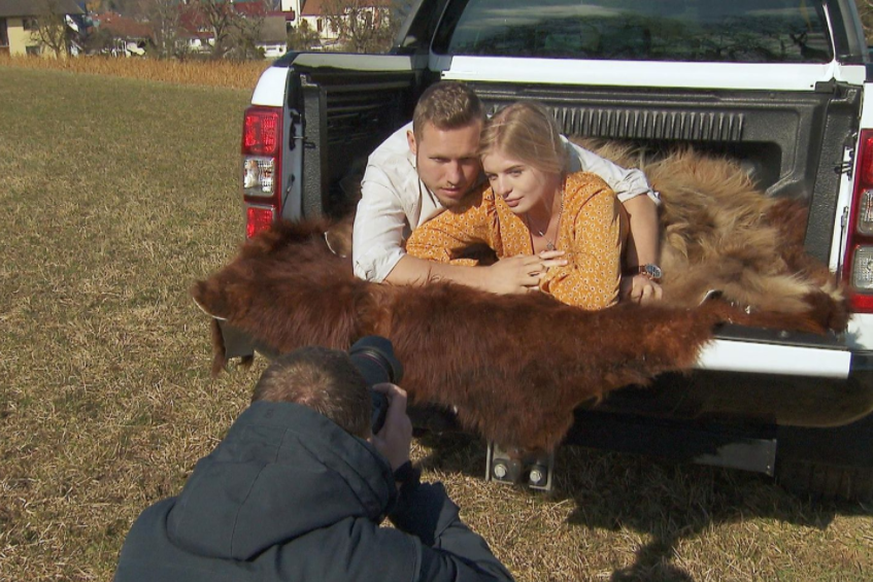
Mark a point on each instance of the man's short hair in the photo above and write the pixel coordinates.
(447, 105)
(324, 380)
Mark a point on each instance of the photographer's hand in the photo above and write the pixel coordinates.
(395, 438)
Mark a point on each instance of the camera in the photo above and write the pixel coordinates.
(374, 358)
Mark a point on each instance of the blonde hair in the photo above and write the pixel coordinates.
(527, 132)
(447, 105)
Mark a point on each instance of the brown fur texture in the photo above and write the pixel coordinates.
(515, 367)
(495, 358)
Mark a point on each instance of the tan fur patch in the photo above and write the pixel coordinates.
(718, 232)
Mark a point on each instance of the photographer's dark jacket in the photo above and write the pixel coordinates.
(288, 495)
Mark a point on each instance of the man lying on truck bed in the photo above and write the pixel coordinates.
(433, 162)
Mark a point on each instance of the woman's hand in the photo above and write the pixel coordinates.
(522, 273)
(640, 289)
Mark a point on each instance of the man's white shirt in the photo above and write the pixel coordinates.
(394, 200)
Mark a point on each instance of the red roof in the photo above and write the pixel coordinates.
(193, 23)
(122, 26)
(311, 8)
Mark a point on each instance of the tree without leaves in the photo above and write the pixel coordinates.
(302, 37)
(165, 19)
(98, 40)
(51, 27)
(232, 31)
(219, 15)
(364, 26)
(865, 7)
(129, 8)
(245, 31)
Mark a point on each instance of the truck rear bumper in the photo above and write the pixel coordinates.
(741, 356)
(754, 397)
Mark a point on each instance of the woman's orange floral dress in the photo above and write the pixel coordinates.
(590, 234)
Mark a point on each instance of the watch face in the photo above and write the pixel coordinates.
(653, 271)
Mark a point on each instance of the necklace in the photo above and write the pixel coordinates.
(550, 244)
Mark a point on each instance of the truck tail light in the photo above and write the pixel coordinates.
(258, 218)
(261, 167)
(858, 263)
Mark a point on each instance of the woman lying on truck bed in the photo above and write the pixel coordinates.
(534, 206)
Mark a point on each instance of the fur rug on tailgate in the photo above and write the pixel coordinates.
(515, 367)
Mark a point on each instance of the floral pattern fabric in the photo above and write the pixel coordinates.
(589, 233)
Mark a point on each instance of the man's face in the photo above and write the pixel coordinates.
(447, 160)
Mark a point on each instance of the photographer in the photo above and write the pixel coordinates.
(297, 490)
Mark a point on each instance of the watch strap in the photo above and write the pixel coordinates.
(650, 270)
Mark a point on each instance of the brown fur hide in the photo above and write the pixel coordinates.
(495, 358)
(515, 367)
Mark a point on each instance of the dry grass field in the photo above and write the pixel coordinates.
(118, 193)
(222, 73)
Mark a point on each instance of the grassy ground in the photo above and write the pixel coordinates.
(118, 193)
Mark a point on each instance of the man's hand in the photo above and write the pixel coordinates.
(395, 437)
(640, 289)
(522, 273)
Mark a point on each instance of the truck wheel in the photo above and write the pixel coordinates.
(826, 481)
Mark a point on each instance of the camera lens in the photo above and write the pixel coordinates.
(373, 356)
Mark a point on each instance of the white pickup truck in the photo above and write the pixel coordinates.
(783, 86)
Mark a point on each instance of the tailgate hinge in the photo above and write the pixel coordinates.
(847, 165)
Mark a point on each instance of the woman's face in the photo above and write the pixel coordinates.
(522, 186)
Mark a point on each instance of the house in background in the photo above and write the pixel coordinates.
(197, 35)
(291, 8)
(274, 36)
(315, 13)
(272, 32)
(318, 14)
(194, 31)
(19, 22)
(123, 36)
(312, 12)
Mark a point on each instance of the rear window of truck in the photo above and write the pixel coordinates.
(745, 31)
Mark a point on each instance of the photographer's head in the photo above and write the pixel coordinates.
(325, 380)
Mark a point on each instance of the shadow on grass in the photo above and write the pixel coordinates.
(667, 502)
(454, 452)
